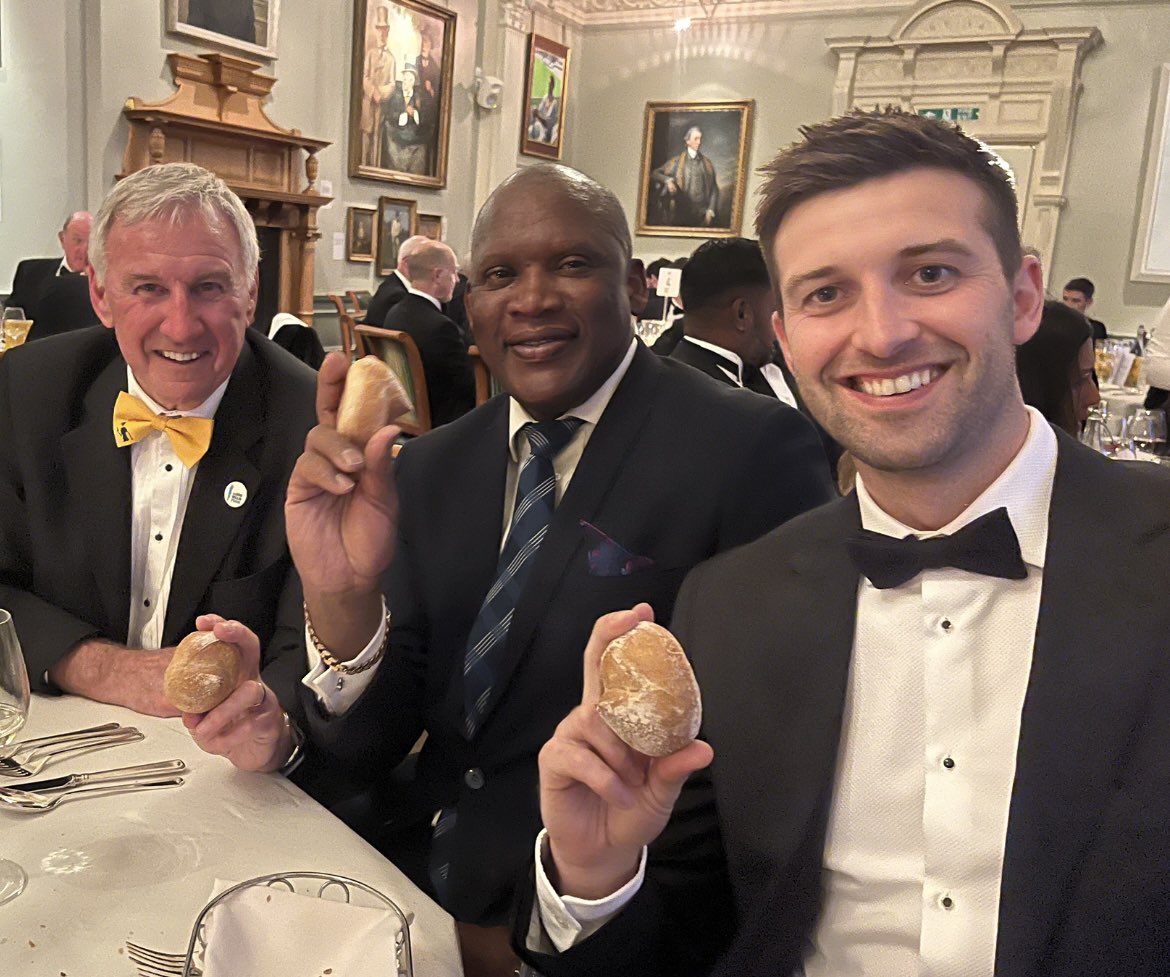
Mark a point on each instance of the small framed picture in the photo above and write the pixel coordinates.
(397, 220)
(545, 98)
(359, 233)
(694, 167)
(401, 81)
(431, 225)
(246, 26)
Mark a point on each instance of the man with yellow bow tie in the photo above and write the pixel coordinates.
(144, 464)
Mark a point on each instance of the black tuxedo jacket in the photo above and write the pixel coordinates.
(1086, 876)
(450, 380)
(65, 306)
(29, 282)
(676, 470)
(390, 291)
(65, 503)
(706, 360)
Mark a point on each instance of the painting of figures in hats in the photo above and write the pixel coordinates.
(400, 113)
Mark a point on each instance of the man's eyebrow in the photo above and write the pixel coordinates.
(794, 284)
(946, 245)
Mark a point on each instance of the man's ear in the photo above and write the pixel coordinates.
(742, 311)
(782, 335)
(1027, 299)
(98, 298)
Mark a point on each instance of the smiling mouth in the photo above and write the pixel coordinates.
(893, 386)
(174, 357)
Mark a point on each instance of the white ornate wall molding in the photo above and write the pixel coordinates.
(656, 13)
(1011, 87)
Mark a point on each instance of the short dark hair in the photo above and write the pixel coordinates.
(850, 149)
(1046, 362)
(656, 266)
(719, 267)
(1082, 285)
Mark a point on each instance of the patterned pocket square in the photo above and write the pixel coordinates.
(608, 558)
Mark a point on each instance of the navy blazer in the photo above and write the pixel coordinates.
(1086, 877)
(676, 470)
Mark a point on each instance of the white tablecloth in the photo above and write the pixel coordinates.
(1122, 400)
(141, 866)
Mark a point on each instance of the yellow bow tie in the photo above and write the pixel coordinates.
(133, 421)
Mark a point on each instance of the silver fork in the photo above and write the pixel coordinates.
(155, 963)
(40, 741)
(25, 763)
(27, 800)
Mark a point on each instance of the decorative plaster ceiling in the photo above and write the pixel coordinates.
(605, 13)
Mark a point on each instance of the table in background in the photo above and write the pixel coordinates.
(140, 866)
(1123, 400)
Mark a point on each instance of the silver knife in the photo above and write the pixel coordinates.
(69, 781)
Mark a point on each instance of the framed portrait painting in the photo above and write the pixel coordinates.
(397, 220)
(694, 167)
(430, 225)
(545, 98)
(246, 26)
(400, 106)
(359, 233)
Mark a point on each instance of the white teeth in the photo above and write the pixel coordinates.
(178, 357)
(887, 387)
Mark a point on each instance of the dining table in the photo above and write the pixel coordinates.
(141, 866)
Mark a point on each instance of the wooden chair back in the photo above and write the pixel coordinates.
(355, 305)
(486, 385)
(336, 300)
(351, 342)
(399, 352)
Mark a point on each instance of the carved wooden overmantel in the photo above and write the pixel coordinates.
(976, 55)
(217, 119)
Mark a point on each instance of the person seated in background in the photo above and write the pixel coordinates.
(1055, 368)
(602, 477)
(655, 303)
(1078, 294)
(925, 749)
(65, 306)
(393, 287)
(456, 310)
(33, 275)
(144, 464)
(432, 271)
(666, 342)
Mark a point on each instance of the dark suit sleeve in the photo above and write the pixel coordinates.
(450, 379)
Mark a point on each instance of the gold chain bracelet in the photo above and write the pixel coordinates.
(327, 656)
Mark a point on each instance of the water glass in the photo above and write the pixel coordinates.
(1147, 430)
(14, 701)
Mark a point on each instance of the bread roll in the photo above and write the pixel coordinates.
(371, 399)
(649, 696)
(203, 672)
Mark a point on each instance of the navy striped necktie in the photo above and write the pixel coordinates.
(536, 491)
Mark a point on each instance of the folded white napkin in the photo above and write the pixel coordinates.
(269, 930)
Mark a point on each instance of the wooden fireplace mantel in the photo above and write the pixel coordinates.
(216, 118)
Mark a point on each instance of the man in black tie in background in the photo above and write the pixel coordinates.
(929, 756)
(34, 275)
(604, 476)
(393, 288)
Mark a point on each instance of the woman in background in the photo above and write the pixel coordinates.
(1055, 368)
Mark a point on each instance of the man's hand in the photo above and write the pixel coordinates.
(108, 672)
(671, 186)
(248, 727)
(600, 800)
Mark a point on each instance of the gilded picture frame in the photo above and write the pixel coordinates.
(542, 122)
(400, 96)
(243, 26)
(700, 193)
(397, 220)
(361, 225)
(430, 225)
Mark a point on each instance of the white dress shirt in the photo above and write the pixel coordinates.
(770, 371)
(914, 850)
(336, 692)
(160, 489)
(1156, 362)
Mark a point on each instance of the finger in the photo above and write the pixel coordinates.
(585, 725)
(329, 463)
(251, 710)
(207, 622)
(666, 775)
(565, 764)
(244, 638)
(330, 383)
(377, 477)
(605, 630)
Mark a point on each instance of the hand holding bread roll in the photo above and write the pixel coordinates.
(649, 696)
(203, 672)
(372, 398)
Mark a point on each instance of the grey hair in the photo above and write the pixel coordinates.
(691, 130)
(76, 215)
(600, 202)
(425, 258)
(174, 192)
(411, 245)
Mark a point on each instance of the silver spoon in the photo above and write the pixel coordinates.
(28, 801)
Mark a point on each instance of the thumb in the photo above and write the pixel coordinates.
(666, 775)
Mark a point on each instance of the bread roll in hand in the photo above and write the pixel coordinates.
(203, 672)
(372, 398)
(649, 696)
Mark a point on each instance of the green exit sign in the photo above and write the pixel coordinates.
(966, 114)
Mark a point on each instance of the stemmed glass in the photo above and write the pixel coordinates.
(14, 699)
(15, 327)
(1148, 430)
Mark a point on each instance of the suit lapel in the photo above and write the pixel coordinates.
(1079, 708)
(210, 524)
(98, 476)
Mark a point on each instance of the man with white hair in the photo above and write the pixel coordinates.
(394, 286)
(144, 485)
(689, 192)
(33, 276)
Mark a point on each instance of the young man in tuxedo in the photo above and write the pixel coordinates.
(922, 755)
(143, 485)
(493, 553)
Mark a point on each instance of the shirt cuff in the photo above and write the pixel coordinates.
(335, 691)
(568, 920)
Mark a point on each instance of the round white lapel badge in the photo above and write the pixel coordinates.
(236, 494)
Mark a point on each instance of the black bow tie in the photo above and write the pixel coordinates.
(988, 545)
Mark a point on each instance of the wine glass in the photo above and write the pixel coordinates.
(14, 699)
(1147, 428)
(14, 327)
